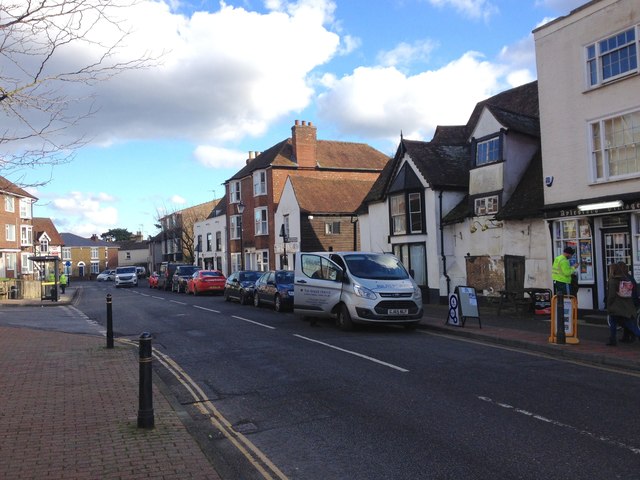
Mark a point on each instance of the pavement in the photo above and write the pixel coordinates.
(69, 405)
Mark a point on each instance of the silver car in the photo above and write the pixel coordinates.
(106, 276)
(126, 277)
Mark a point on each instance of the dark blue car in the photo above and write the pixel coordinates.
(239, 286)
(275, 287)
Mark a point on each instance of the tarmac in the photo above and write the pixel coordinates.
(70, 405)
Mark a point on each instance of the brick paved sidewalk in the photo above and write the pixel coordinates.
(69, 410)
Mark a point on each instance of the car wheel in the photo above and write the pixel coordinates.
(226, 296)
(256, 299)
(344, 319)
(243, 298)
(277, 304)
(195, 292)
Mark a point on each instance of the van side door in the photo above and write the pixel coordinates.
(318, 285)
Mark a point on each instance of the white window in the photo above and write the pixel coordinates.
(235, 262)
(262, 226)
(262, 260)
(488, 151)
(259, 183)
(486, 205)
(236, 227)
(26, 235)
(66, 253)
(415, 213)
(285, 222)
(25, 208)
(332, 228)
(615, 146)
(234, 192)
(612, 57)
(10, 261)
(44, 245)
(398, 214)
(9, 204)
(95, 267)
(10, 232)
(26, 264)
(94, 253)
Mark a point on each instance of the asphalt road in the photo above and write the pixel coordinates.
(301, 402)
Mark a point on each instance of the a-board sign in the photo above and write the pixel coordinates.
(468, 301)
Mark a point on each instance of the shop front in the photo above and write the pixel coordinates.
(601, 234)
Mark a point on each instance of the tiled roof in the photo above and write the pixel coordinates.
(527, 200)
(72, 240)
(515, 121)
(321, 195)
(9, 187)
(132, 245)
(329, 155)
(443, 166)
(45, 225)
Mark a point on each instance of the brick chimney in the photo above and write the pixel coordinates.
(305, 145)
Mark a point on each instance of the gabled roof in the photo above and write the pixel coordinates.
(329, 155)
(8, 187)
(443, 166)
(517, 122)
(329, 196)
(72, 240)
(132, 245)
(527, 200)
(219, 209)
(45, 225)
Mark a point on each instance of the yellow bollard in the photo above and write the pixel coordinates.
(570, 319)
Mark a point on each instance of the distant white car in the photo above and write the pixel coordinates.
(106, 276)
(126, 277)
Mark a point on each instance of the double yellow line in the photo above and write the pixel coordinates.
(252, 453)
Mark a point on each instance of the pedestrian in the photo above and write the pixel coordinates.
(621, 308)
(561, 272)
(63, 282)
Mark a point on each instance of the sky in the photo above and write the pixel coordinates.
(226, 78)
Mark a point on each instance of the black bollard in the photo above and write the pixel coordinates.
(145, 408)
(109, 322)
(560, 337)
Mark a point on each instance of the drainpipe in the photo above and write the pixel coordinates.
(444, 258)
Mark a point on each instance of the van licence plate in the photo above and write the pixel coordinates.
(398, 311)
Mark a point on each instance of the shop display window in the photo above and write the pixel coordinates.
(576, 233)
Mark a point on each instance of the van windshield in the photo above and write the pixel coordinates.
(376, 266)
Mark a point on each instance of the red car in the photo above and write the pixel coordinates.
(204, 281)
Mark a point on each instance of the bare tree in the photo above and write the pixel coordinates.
(46, 48)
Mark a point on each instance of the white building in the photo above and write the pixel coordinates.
(210, 238)
(589, 88)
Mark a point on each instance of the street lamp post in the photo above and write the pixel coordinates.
(240, 207)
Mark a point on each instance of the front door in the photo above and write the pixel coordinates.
(617, 248)
(513, 272)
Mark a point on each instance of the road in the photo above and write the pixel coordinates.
(269, 396)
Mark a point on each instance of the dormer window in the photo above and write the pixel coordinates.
(488, 151)
(486, 205)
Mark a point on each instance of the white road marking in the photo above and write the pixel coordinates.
(558, 424)
(207, 309)
(350, 352)
(251, 321)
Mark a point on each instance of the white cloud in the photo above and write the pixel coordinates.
(84, 213)
(563, 7)
(471, 8)
(406, 54)
(381, 102)
(178, 200)
(217, 157)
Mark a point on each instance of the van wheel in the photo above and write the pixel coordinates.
(344, 319)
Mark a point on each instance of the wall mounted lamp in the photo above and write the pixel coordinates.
(474, 229)
(489, 225)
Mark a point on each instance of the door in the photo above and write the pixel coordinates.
(616, 244)
(513, 273)
(318, 285)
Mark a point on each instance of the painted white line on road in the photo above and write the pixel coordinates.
(251, 321)
(556, 423)
(179, 303)
(207, 309)
(159, 298)
(350, 352)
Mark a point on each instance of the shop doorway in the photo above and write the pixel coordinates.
(616, 244)
(513, 272)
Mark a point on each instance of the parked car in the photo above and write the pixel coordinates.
(275, 287)
(206, 281)
(141, 272)
(165, 275)
(153, 280)
(181, 277)
(106, 276)
(126, 277)
(240, 285)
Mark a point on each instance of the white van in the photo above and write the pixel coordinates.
(356, 287)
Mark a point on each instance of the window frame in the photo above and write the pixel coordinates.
(492, 154)
(332, 228)
(398, 214)
(9, 204)
(259, 183)
(595, 57)
(235, 229)
(26, 235)
(235, 191)
(10, 232)
(602, 149)
(482, 210)
(261, 221)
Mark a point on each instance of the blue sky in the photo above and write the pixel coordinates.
(234, 76)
